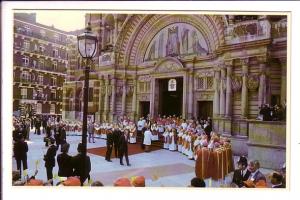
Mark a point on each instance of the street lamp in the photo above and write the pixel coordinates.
(87, 47)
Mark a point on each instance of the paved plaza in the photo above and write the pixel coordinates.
(161, 168)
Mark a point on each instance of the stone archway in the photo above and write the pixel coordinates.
(140, 29)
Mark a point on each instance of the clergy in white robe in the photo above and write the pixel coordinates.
(166, 139)
(147, 139)
(154, 130)
(172, 140)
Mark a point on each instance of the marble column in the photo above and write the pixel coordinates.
(106, 99)
(262, 90)
(100, 102)
(115, 30)
(244, 97)
(217, 93)
(283, 86)
(228, 89)
(222, 92)
(113, 98)
(134, 97)
(124, 97)
(191, 94)
(152, 97)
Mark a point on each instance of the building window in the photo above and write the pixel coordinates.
(56, 37)
(34, 63)
(42, 48)
(52, 108)
(55, 53)
(39, 108)
(26, 45)
(41, 79)
(53, 95)
(43, 33)
(54, 65)
(91, 94)
(53, 81)
(35, 47)
(25, 61)
(41, 63)
(25, 76)
(209, 82)
(142, 87)
(24, 93)
(27, 30)
(200, 84)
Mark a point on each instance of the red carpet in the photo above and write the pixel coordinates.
(132, 149)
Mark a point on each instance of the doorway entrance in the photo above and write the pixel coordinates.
(170, 102)
(205, 109)
(144, 108)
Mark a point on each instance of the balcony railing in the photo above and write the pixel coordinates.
(39, 36)
(246, 31)
(279, 29)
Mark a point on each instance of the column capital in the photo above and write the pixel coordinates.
(245, 61)
(262, 59)
(228, 63)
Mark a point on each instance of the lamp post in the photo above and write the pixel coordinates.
(87, 47)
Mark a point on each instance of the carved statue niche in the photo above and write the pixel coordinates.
(185, 41)
(173, 45)
(129, 91)
(197, 48)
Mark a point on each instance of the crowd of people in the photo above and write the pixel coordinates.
(248, 175)
(176, 134)
(272, 113)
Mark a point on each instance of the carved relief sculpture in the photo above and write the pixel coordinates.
(253, 82)
(236, 83)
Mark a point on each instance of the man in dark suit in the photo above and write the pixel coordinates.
(255, 175)
(277, 180)
(109, 145)
(62, 135)
(64, 161)
(116, 137)
(49, 159)
(20, 153)
(38, 126)
(81, 164)
(242, 173)
(123, 148)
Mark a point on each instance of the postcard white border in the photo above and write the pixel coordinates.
(150, 193)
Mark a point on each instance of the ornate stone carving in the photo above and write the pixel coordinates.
(223, 84)
(236, 83)
(109, 90)
(145, 78)
(205, 96)
(102, 90)
(168, 67)
(119, 91)
(129, 90)
(205, 73)
(253, 82)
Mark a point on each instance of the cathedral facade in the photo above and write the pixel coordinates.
(191, 65)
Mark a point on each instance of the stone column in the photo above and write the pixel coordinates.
(262, 90)
(100, 108)
(113, 98)
(115, 29)
(228, 89)
(152, 97)
(283, 85)
(134, 99)
(191, 94)
(222, 93)
(244, 98)
(217, 93)
(106, 99)
(124, 97)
